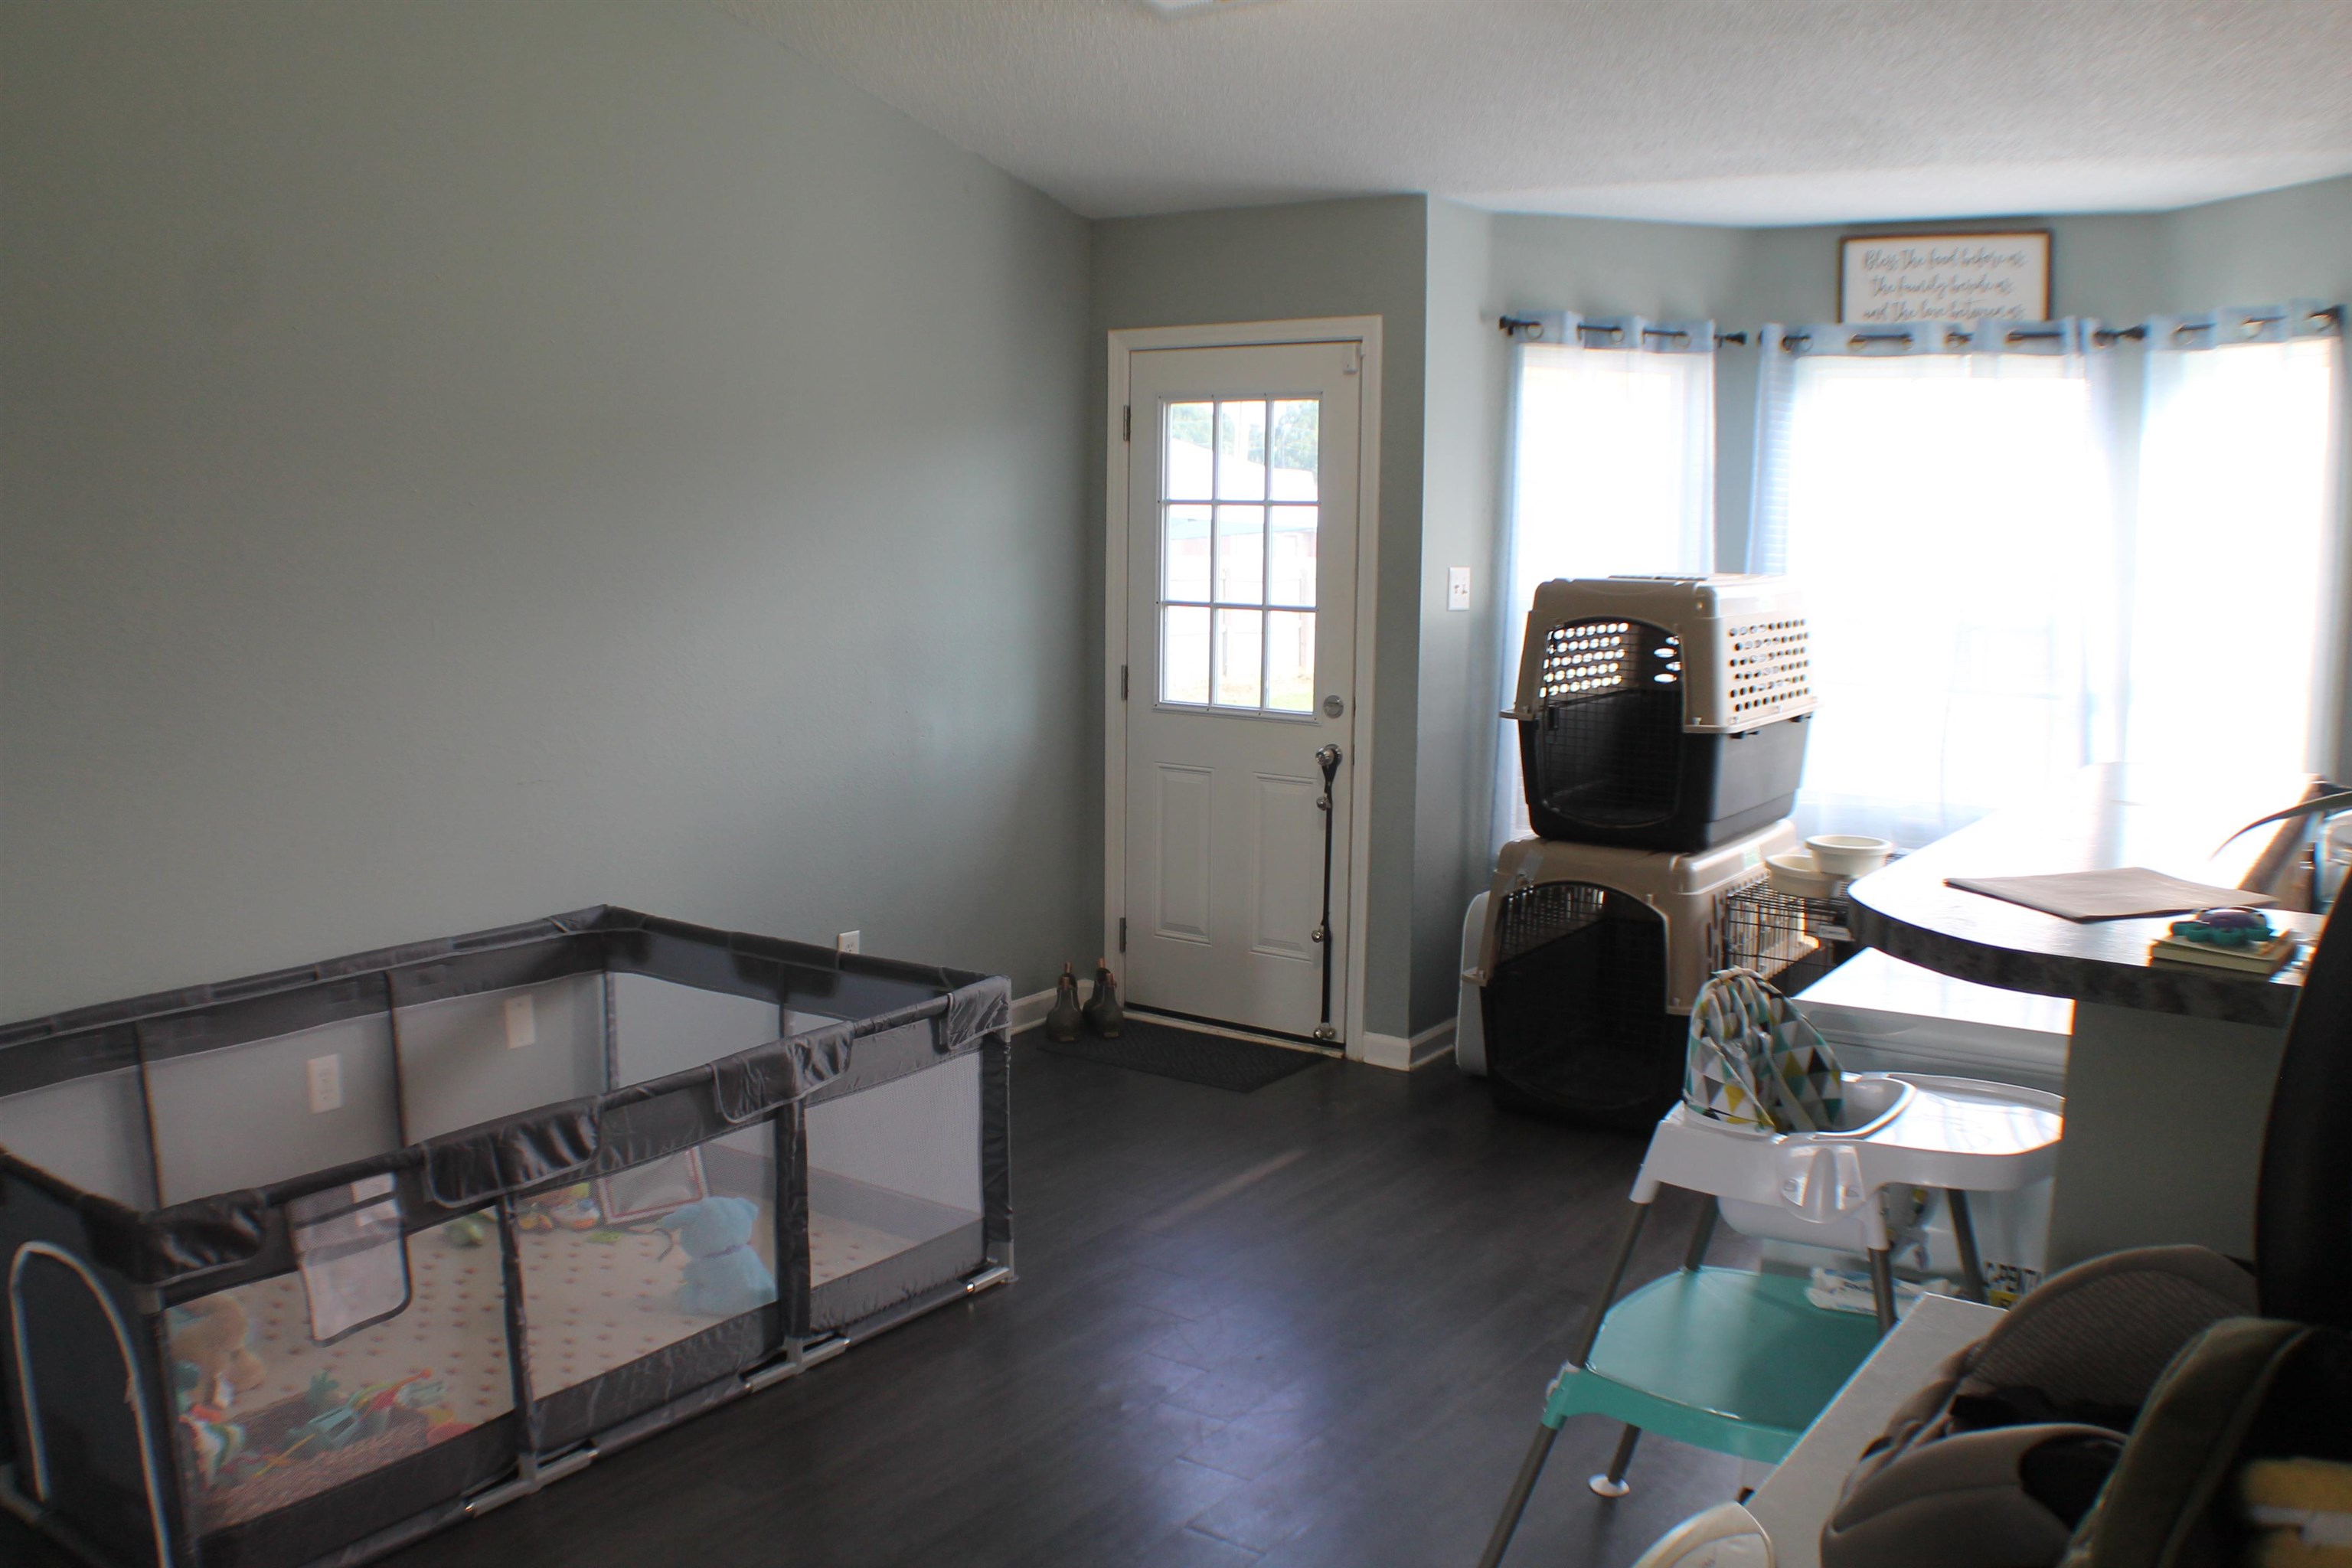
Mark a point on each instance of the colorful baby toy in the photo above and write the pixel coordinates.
(2227, 926)
(571, 1208)
(338, 1419)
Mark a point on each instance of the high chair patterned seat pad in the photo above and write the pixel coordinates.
(1755, 1062)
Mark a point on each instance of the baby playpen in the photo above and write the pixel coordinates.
(302, 1267)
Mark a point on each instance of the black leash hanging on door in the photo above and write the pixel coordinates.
(1329, 760)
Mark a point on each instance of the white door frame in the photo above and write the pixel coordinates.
(1124, 342)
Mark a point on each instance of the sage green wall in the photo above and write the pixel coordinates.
(1365, 258)
(2280, 244)
(463, 462)
(1462, 476)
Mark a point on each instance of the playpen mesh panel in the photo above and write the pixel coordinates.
(1605, 746)
(352, 1254)
(894, 1171)
(243, 1115)
(465, 1060)
(265, 1416)
(660, 1027)
(1576, 1004)
(90, 1131)
(627, 1264)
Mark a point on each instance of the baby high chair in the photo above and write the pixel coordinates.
(1738, 1361)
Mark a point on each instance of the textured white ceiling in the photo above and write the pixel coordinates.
(1740, 112)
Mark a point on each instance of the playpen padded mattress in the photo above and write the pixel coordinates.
(598, 1299)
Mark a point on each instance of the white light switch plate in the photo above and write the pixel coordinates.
(326, 1078)
(847, 941)
(523, 1023)
(1457, 587)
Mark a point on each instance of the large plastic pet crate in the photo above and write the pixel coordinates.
(1592, 957)
(1661, 712)
(378, 1244)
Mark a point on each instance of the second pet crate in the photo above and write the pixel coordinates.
(1591, 957)
(1786, 940)
(1661, 712)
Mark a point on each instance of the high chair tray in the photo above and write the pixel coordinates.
(1972, 1118)
(1727, 1359)
(1905, 1129)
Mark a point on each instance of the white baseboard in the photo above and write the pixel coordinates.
(1398, 1054)
(1030, 1010)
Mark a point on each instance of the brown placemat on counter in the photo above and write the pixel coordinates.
(2127, 893)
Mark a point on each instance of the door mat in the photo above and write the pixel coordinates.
(1241, 1066)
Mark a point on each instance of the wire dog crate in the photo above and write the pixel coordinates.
(381, 1243)
(1789, 941)
(1661, 712)
(1591, 957)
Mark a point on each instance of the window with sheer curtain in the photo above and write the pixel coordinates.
(2012, 570)
(1612, 471)
(1947, 517)
(2235, 627)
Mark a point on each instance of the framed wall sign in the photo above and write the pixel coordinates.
(1891, 278)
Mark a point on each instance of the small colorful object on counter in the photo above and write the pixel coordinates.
(2228, 927)
(2241, 940)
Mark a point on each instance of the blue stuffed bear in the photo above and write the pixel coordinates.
(724, 1277)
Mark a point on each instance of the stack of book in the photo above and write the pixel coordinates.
(2261, 958)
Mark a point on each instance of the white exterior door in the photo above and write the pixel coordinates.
(1241, 597)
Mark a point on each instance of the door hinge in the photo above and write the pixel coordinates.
(1126, 422)
(1122, 933)
(1122, 683)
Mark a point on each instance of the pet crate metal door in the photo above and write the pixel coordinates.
(1606, 748)
(1576, 1004)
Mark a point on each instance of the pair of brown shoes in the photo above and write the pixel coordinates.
(1102, 1012)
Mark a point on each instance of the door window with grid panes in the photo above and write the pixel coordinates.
(1238, 512)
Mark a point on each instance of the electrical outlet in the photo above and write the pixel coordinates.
(523, 1023)
(326, 1078)
(1457, 587)
(847, 941)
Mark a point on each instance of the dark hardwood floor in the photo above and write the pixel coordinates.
(1310, 1325)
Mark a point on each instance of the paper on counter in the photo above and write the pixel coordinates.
(2125, 893)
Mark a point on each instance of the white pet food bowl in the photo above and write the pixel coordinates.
(1848, 854)
(1795, 875)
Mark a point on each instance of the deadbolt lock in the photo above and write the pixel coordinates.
(1333, 707)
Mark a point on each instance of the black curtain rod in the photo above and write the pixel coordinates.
(2105, 337)
(1514, 323)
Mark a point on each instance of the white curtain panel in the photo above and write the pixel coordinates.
(2235, 620)
(1612, 471)
(2012, 568)
(1942, 497)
